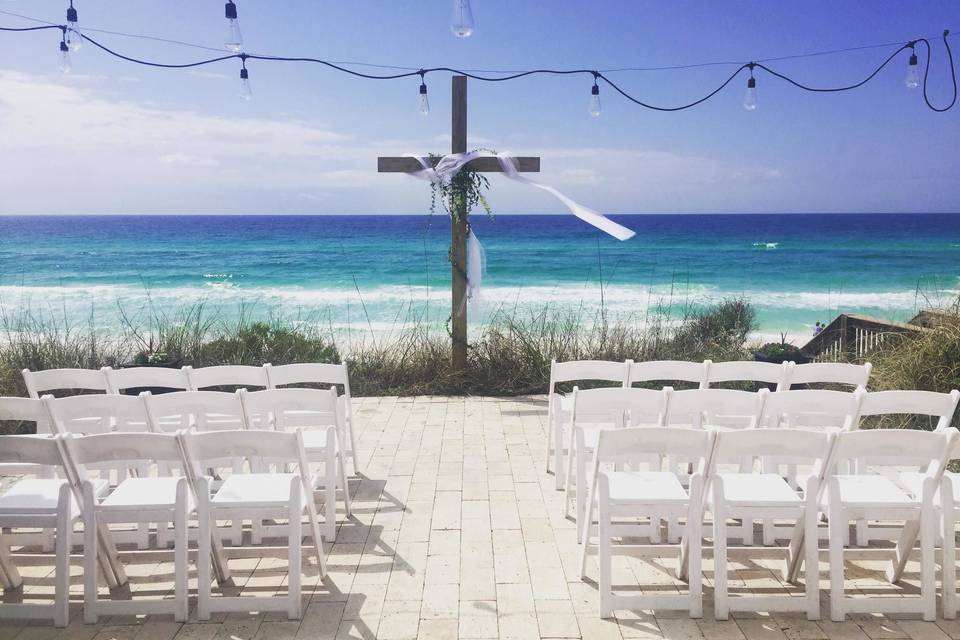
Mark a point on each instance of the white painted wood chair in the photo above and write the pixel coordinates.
(625, 493)
(252, 496)
(747, 371)
(200, 411)
(318, 413)
(139, 500)
(669, 372)
(321, 373)
(748, 495)
(558, 405)
(897, 407)
(869, 496)
(593, 410)
(44, 503)
(48, 381)
(698, 408)
(811, 409)
(854, 375)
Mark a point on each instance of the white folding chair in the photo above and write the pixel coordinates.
(812, 409)
(139, 500)
(698, 408)
(621, 493)
(668, 372)
(854, 375)
(748, 371)
(558, 405)
(122, 380)
(321, 373)
(252, 496)
(593, 410)
(200, 411)
(897, 409)
(317, 412)
(751, 496)
(949, 514)
(33, 503)
(869, 496)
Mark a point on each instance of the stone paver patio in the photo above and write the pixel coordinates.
(458, 532)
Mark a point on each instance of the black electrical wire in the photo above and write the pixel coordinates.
(597, 75)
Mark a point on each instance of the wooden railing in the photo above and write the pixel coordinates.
(854, 336)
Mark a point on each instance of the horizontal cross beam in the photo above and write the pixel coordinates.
(404, 164)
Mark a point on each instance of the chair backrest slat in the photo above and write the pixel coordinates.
(813, 408)
(202, 410)
(29, 450)
(141, 377)
(728, 407)
(227, 376)
(638, 444)
(21, 410)
(620, 406)
(287, 408)
(123, 447)
(668, 371)
(96, 413)
(588, 370)
(747, 371)
(894, 447)
(41, 382)
(855, 375)
(307, 373)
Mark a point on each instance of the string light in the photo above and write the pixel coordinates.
(234, 40)
(594, 107)
(750, 97)
(913, 74)
(66, 66)
(405, 72)
(423, 104)
(72, 34)
(462, 24)
(246, 92)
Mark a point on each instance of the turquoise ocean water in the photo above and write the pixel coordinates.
(372, 274)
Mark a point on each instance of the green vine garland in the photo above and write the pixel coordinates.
(465, 188)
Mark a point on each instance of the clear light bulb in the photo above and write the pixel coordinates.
(72, 36)
(234, 40)
(462, 25)
(423, 104)
(913, 73)
(594, 107)
(66, 66)
(750, 97)
(246, 92)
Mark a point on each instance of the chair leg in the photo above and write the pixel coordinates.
(204, 535)
(811, 561)
(296, 544)
(347, 500)
(604, 557)
(61, 589)
(180, 570)
(353, 447)
(90, 550)
(721, 609)
(558, 457)
(330, 500)
(695, 562)
(549, 434)
(567, 480)
(837, 526)
(949, 562)
(928, 580)
(581, 491)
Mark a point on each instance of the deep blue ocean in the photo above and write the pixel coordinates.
(376, 273)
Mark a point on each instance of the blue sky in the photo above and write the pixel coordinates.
(118, 138)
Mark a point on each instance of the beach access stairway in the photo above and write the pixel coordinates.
(852, 335)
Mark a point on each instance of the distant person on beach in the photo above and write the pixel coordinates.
(818, 328)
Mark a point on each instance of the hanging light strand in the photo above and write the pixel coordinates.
(597, 75)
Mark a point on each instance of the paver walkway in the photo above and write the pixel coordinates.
(458, 532)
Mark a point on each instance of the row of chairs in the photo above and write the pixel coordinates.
(718, 481)
(702, 375)
(118, 381)
(211, 487)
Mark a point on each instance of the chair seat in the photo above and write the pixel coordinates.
(912, 481)
(35, 496)
(145, 494)
(870, 490)
(760, 489)
(644, 487)
(254, 489)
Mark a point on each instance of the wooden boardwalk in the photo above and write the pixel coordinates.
(458, 532)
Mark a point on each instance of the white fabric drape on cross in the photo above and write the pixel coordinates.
(450, 165)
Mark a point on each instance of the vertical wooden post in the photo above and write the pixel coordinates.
(458, 233)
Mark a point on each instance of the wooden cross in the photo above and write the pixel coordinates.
(458, 228)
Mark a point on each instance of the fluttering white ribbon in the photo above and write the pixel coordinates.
(449, 165)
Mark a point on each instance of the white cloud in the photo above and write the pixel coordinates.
(69, 148)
